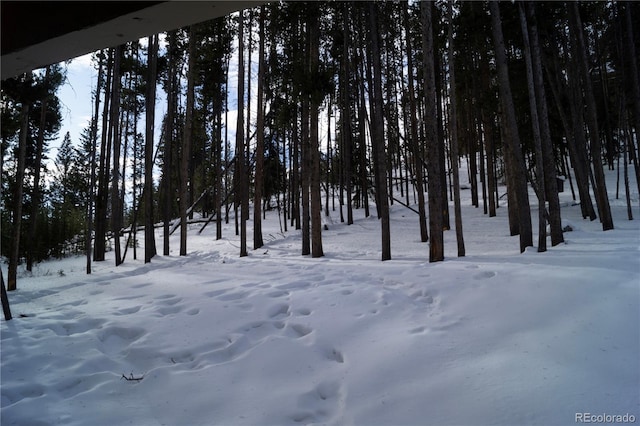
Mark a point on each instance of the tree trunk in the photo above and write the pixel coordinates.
(6, 309)
(347, 134)
(99, 248)
(92, 181)
(377, 134)
(169, 124)
(304, 179)
(453, 130)
(574, 135)
(116, 206)
(12, 273)
(241, 166)
(579, 50)
(415, 148)
(488, 124)
(555, 218)
(314, 148)
(149, 231)
(435, 183)
(35, 197)
(635, 85)
(537, 140)
(259, 177)
(514, 158)
(186, 142)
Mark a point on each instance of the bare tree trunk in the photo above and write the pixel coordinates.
(314, 148)
(167, 165)
(435, 183)
(555, 218)
(242, 189)
(574, 134)
(537, 139)
(186, 143)
(149, 231)
(602, 197)
(415, 148)
(377, 135)
(6, 309)
(92, 181)
(635, 85)
(514, 158)
(99, 248)
(12, 273)
(347, 134)
(35, 197)
(305, 179)
(259, 178)
(488, 127)
(116, 206)
(453, 129)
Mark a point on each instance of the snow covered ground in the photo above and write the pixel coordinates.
(275, 338)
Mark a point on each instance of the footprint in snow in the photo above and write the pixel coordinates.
(418, 330)
(484, 275)
(335, 355)
(69, 328)
(279, 311)
(320, 404)
(303, 312)
(278, 293)
(233, 296)
(128, 311)
(299, 330)
(117, 339)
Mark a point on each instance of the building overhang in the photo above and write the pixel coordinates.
(39, 33)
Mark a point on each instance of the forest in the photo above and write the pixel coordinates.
(342, 105)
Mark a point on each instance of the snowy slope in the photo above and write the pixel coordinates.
(275, 338)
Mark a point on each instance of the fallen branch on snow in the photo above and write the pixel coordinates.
(131, 378)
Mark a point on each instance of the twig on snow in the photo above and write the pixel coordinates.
(131, 378)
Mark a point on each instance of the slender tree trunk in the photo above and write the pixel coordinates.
(305, 179)
(169, 124)
(514, 158)
(259, 177)
(220, 199)
(314, 148)
(241, 164)
(362, 118)
(149, 231)
(6, 309)
(377, 134)
(295, 177)
(487, 128)
(186, 142)
(435, 183)
(305, 169)
(92, 179)
(99, 248)
(12, 273)
(535, 122)
(555, 218)
(453, 129)
(572, 124)
(635, 84)
(116, 206)
(602, 197)
(347, 133)
(415, 148)
(35, 197)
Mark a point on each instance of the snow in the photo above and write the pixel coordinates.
(275, 338)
